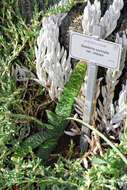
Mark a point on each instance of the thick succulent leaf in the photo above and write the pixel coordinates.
(53, 119)
(71, 90)
(46, 140)
(31, 142)
(34, 141)
(63, 110)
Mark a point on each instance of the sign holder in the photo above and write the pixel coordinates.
(96, 51)
(90, 94)
(91, 84)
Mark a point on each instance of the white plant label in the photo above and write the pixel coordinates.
(92, 50)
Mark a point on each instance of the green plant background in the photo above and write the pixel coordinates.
(21, 131)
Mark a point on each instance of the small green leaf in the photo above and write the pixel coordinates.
(98, 161)
(42, 186)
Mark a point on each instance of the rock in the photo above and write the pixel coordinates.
(26, 9)
(71, 22)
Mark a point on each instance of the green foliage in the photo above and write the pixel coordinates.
(21, 133)
(48, 139)
(71, 90)
(109, 171)
(31, 174)
(16, 137)
(15, 37)
(63, 109)
(60, 9)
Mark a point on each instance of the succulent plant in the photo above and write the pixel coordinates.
(53, 67)
(92, 18)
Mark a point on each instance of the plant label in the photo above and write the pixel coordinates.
(97, 51)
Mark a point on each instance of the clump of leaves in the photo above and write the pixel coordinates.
(107, 172)
(47, 139)
(31, 173)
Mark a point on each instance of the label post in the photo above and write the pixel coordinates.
(96, 52)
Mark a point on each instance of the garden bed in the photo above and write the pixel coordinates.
(41, 124)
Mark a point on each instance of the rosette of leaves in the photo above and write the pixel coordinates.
(47, 139)
(53, 67)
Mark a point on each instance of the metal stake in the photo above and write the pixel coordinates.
(90, 93)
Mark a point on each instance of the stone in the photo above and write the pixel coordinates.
(26, 10)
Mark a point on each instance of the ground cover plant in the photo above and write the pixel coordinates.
(35, 109)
